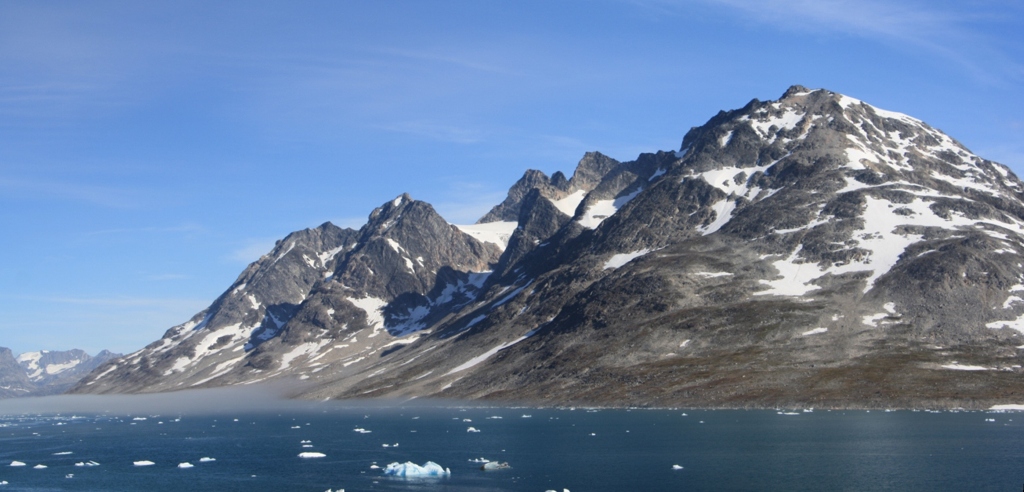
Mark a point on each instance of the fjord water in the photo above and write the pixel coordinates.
(550, 449)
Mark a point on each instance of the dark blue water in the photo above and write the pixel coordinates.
(553, 449)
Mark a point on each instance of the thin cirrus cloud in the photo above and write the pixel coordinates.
(945, 32)
(436, 131)
(106, 196)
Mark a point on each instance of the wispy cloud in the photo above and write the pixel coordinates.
(251, 250)
(447, 59)
(168, 276)
(188, 228)
(120, 302)
(436, 131)
(943, 31)
(98, 195)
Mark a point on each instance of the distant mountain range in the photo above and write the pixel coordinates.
(45, 372)
(810, 251)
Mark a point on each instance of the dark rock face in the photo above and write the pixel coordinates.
(810, 251)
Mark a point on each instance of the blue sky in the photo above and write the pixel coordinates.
(150, 150)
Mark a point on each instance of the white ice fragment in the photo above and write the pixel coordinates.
(206, 459)
(39, 466)
(472, 429)
(185, 465)
(814, 331)
(143, 463)
(17, 463)
(410, 469)
(311, 454)
(677, 467)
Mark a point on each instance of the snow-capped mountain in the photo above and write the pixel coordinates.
(45, 372)
(813, 250)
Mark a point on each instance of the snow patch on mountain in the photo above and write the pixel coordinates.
(496, 233)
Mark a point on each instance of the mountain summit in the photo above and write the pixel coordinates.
(809, 251)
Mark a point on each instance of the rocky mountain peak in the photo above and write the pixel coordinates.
(809, 251)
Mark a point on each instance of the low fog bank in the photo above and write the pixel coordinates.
(251, 398)
(200, 401)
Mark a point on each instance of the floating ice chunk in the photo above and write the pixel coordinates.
(472, 429)
(186, 465)
(39, 466)
(677, 467)
(69, 475)
(139, 418)
(361, 430)
(17, 463)
(525, 416)
(206, 459)
(143, 463)
(62, 453)
(374, 467)
(410, 469)
(312, 454)
(480, 460)
(814, 331)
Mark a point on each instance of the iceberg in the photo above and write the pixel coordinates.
(410, 469)
(17, 463)
(185, 465)
(677, 467)
(472, 429)
(309, 454)
(143, 463)
(206, 459)
(39, 466)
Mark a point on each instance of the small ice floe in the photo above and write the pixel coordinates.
(788, 413)
(3, 482)
(143, 463)
(139, 418)
(69, 475)
(467, 420)
(39, 466)
(410, 469)
(312, 454)
(677, 467)
(17, 463)
(525, 416)
(593, 433)
(385, 445)
(472, 429)
(186, 465)
(494, 417)
(305, 441)
(206, 459)
(296, 427)
(87, 463)
(339, 490)
(480, 460)
(307, 445)
(494, 465)
(62, 453)
(374, 467)
(361, 430)
(990, 420)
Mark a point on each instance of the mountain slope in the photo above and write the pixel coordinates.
(812, 251)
